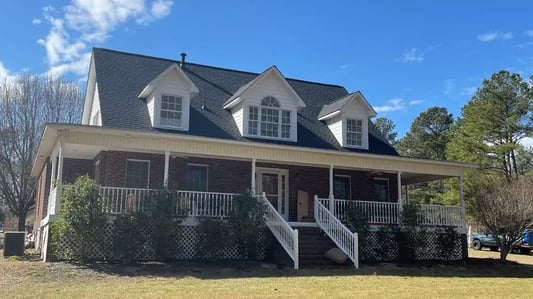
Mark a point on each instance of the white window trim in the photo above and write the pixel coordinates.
(206, 174)
(292, 123)
(349, 183)
(185, 109)
(388, 186)
(364, 133)
(148, 176)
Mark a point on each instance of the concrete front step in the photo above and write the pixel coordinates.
(313, 244)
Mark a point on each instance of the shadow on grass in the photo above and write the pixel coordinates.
(473, 267)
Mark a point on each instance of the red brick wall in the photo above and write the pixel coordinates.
(74, 168)
(113, 168)
(42, 189)
(227, 176)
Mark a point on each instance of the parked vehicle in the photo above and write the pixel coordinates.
(485, 240)
(524, 245)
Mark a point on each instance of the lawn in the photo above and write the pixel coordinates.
(480, 277)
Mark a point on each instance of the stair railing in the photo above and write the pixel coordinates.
(339, 234)
(287, 237)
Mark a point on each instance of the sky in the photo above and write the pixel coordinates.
(404, 56)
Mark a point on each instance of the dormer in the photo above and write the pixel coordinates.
(347, 118)
(168, 98)
(266, 107)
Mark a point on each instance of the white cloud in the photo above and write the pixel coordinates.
(161, 8)
(84, 22)
(529, 33)
(449, 85)
(392, 105)
(36, 21)
(411, 56)
(492, 36)
(415, 102)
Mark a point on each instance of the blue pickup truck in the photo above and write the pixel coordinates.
(524, 245)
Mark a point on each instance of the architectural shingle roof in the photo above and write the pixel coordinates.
(122, 76)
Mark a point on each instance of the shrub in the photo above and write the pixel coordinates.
(357, 221)
(80, 218)
(447, 240)
(213, 236)
(247, 223)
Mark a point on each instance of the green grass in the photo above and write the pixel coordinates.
(481, 277)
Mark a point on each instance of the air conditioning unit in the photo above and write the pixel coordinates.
(14, 243)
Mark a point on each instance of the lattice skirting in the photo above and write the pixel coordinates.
(376, 249)
(183, 246)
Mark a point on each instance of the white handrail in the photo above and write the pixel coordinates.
(118, 200)
(287, 237)
(341, 236)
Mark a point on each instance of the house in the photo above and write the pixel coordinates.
(310, 149)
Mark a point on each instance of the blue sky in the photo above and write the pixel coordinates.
(405, 56)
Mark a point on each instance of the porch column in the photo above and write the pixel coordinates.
(331, 195)
(60, 166)
(462, 201)
(53, 176)
(252, 186)
(165, 176)
(400, 201)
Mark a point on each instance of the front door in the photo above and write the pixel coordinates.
(275, 183)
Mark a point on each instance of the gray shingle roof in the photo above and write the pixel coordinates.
(122, 76)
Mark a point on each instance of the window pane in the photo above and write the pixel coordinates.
(381, 190)
(270, 102)
(171, 111)
(137, 174)
(197, 177)
(341, 187)
(354, 132)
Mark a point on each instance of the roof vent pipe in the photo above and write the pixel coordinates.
(183, 59)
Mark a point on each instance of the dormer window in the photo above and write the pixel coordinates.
(354, 132)
(171, 111)
(269, 120)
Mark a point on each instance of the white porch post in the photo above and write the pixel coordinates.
(59, 180)
(53, 177)
(400, 201)
(462, 201)
(331, 194)
(252, 187)
(165, 176)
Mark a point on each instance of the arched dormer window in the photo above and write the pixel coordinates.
(269, 120)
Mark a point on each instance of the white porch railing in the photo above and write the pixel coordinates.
(339, 234)
(389, 212)
(117, 200)
(287, 237)
(440, 215)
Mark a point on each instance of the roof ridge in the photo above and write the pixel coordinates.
(218, 67)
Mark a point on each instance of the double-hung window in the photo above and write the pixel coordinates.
(171, 111)
(354, 132)
(269, 120)
(197, 177)
(137, 173)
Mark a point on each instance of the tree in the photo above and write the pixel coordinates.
(492, 125)
(427, 138)
(505, 208)
(26, 104)
(428, 135)
(387, 129)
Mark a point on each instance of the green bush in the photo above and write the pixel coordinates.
(247, 223)
(80, 218)
(405, 238)
(214, 235)
(356, 220)
(155, 225)
(447, 240)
